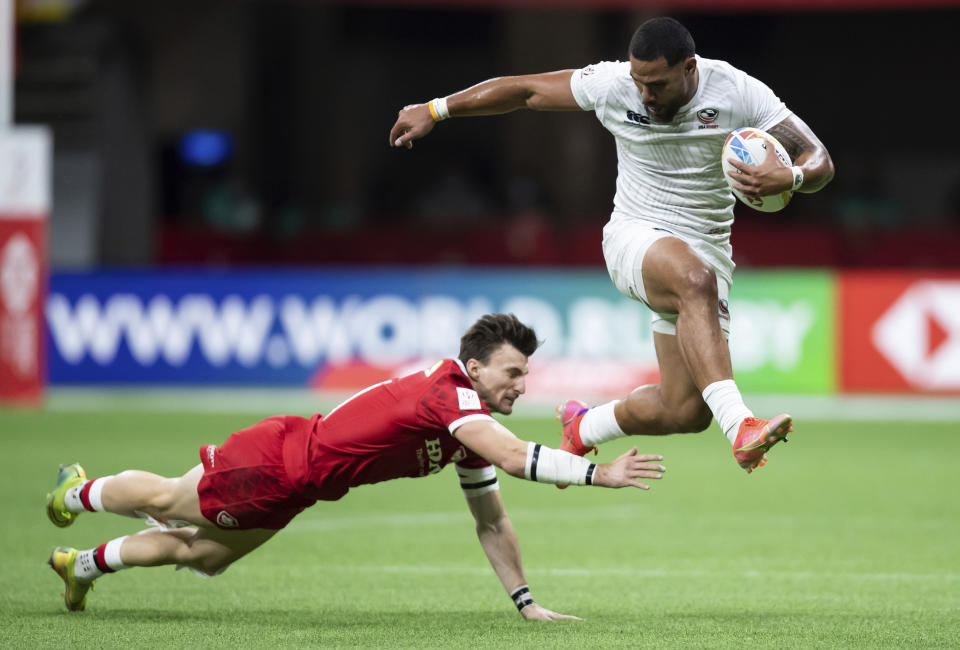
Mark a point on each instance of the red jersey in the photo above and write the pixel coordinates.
(397, 428)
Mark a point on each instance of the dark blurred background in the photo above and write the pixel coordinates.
(255, 132)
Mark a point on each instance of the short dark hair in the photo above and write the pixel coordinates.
(491, 331)
(664, 37)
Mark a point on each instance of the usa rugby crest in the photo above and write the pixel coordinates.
(707, 115)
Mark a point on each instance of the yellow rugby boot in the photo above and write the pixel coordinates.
(69, 476)
(62, 560)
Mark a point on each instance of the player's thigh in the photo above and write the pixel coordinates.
(671, 268)
(184, 501)
(215, 549)
(679, 393)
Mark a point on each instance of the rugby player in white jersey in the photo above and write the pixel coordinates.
(667, 243)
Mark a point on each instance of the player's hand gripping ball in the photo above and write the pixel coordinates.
(750, 146)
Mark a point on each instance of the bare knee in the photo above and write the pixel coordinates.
(165, 497)
(699, 284)
(203, 557)
(176, 498)
(155, 494)
(212, 566)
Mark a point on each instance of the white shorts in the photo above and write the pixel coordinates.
(626, 241)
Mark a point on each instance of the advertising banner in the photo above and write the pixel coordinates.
(782, 331)
(900, 332)
(24, 207)
(337, 330)
(343, 330)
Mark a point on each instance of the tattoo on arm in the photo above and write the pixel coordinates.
(791, 139)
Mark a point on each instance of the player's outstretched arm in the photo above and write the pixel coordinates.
(499, 541)
(548, 91)
(536, 462)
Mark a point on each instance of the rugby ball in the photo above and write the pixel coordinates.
(751, 146)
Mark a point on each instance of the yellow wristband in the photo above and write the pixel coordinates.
(438, 109)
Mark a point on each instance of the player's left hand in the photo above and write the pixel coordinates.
(535, 612)
(766, 179)
(413, 122)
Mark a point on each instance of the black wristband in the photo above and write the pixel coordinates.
(521, 597)
(534, 460)
(590, 470)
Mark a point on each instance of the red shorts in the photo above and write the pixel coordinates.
(245, 483)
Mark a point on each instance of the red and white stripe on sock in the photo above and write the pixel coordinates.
(87, 496)
(94, 562)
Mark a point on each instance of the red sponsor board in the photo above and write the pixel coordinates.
(22, 291)
(24, 206)
(899, 332)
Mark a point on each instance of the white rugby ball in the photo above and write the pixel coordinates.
(750, 146)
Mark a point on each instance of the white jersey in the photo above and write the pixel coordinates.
(670, 174)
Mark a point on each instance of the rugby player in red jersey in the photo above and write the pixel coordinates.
(246, 490)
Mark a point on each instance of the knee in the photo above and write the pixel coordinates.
(202, 559)
(700, 283)
(163, 497)
(212, 567)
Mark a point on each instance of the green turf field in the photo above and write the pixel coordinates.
(850, 537)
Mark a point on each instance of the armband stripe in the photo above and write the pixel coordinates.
(475, 486)
(521, 597)
(533, 463)
(589, 479)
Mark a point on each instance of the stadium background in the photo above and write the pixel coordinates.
(200, 194)
(228, 136)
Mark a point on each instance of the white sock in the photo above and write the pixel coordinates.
(88, 568)
(85, 569)
(111, 553)
(599, 425)
(724, 399)
(96, 493)
(73, 499)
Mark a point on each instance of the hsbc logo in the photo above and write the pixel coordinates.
(435, 455)
(919, 335)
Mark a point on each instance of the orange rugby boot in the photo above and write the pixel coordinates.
(756, 436)
(570, 413)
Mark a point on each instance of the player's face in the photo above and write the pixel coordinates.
(664, 88)
(502, 379)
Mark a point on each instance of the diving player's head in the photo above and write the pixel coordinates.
(495, 351)
(663, 66)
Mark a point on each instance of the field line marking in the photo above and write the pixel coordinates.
(646, 573)
(219, 399)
